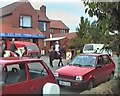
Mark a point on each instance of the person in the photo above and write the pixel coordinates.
(57, 47)
(2, 48)
(13, 48)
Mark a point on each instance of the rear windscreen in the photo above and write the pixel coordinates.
(31, 47)
(88, 47)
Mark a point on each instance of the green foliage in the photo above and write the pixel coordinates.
(108, 15)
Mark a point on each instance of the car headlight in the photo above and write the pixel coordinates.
(80, 78)
(56, 74)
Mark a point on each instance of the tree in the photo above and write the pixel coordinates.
(83, 35)
(108, 14)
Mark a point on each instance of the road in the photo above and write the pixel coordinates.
(68, 90)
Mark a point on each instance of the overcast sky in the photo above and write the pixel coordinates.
(69, 12)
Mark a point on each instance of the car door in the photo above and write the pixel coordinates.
(38, 76)
(108, 66)
(14, 84)
(99, 70)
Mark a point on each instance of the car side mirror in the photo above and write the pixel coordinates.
(98, 66)
(2, 84)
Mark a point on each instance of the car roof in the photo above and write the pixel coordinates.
(93, 54)
(24, 43)
(10, 60)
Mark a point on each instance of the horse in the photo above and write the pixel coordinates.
(55, 55)
(18, 53)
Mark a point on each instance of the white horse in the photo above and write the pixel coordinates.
(20, 51)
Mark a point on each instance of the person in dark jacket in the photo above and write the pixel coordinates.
(13, 48)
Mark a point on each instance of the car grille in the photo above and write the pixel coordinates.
(66, 77)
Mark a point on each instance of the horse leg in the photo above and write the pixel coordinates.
(60, 62)
(51, 63)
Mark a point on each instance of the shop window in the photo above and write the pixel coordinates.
(25, 21)
(42, 26)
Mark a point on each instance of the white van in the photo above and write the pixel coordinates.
(95, 48)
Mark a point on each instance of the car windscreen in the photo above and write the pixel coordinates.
(88, 47)
(84, 61)
(32, 47)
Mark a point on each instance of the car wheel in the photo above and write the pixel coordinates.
(91, 84)
(111, 76)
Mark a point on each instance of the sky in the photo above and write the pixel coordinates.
(69, 12)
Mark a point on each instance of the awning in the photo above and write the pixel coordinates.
(18, 35)
(16, 32)
(54, 38)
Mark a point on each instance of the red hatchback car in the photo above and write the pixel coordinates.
(32, 48)
(86, 70)
(24, 76)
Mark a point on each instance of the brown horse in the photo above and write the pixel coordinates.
(55, 55)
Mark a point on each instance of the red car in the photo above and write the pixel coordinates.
(32, 48)
(24, 76)
(86, 70)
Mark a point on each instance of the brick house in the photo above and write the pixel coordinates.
(21, 21)
(58, 27)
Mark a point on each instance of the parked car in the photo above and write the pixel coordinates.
(24, 76)
(32, 48)
(86, 70)
(96, 48)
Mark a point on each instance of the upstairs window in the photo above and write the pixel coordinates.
(42, 26)
(51, 30)
(25, 21)
(62, 31)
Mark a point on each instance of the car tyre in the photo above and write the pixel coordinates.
(90, 84)
(111, 76)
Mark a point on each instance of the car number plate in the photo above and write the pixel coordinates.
(64, 83)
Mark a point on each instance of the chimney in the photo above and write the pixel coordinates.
(43, 9)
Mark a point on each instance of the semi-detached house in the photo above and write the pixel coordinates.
(21, 21)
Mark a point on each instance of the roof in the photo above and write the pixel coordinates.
(93, 54)
(25, 43)
(11, 60)
(68, 35)
(58, 24)
(6, 29)
(8, 9)
(42, 16)
(54, 39)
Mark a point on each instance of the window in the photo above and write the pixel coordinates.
(14, 73)
(106, 59)
(45, 43)
(88, 47)
(51, 30)
(25, 21)
(36, 70)
(62, 31)
(100, 61)
(42, 26)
